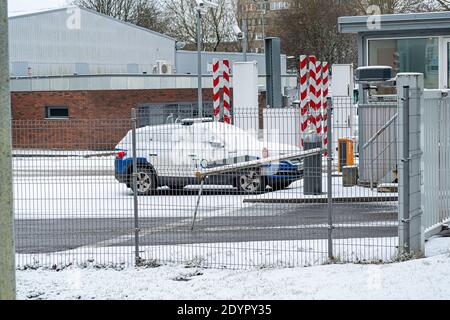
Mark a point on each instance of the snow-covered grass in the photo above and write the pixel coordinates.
(256, 254)
(416, 279)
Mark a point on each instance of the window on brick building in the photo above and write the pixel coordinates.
(57, 112)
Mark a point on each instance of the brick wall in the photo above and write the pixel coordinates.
(98, 120)
(108, 104)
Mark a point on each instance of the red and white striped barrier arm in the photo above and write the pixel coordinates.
(226, 92)
(303, 96)
(326, 85)
(318, 111)
(312, 90)
(216, 89)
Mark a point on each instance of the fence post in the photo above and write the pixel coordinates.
(7, 250)
(405, 172)
(330, 176)
(410, 90)
(135, 192)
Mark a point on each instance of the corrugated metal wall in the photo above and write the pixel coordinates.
(53, 43)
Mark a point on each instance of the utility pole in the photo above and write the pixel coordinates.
(199, 67)
(202, 7)
(7, 250)
(244, 39)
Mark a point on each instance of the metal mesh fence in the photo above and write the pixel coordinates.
(366, 185)
(436, 160)
(67, 203)
(212, 194)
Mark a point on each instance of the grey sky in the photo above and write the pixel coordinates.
(18, 6)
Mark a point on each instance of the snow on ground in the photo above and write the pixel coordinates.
(57, 197)
(73, 163)
(295, 191)
(416, 279)
(255, 254)
(69, 197)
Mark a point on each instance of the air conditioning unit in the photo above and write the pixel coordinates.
(162, 67)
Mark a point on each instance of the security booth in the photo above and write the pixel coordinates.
(418, 42)
(400, 43)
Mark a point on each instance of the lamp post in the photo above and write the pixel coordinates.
(199, 62)
(242, 35)
(244, 39)
(202, 6)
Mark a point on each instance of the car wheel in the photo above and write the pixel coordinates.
(146, 181)
(250, 182)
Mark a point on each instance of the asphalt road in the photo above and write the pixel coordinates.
(259, 222)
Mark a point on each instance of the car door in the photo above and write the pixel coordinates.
(151, 148)
(183, 152)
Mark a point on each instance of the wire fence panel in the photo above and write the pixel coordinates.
(435, 160)
(207, 193)
(68, 206)
(365, 193)
(254, 216)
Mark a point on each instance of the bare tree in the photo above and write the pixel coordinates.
(144, 13)
(310, 27)
(444, 4)
(217, 23)
(401, 6)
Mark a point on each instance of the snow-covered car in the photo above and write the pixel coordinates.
(171, 155)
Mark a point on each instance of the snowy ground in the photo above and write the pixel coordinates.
(90, 191)
(417, 279)
(295, 191)
(233, 255)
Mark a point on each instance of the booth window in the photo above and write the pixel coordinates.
(408, 55)
(57, 113)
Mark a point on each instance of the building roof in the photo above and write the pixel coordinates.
(396, 22)
(122, 82)
(47, 11)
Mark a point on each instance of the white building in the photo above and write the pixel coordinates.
(72, 40)
(77, 41)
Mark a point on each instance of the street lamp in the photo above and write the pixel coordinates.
(202, 6)
(241, 35)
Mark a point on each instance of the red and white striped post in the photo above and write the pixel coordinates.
(216, 89)
(312, 90)
(226, 92)
(326, 85)
(318, 110)
(303, 96)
